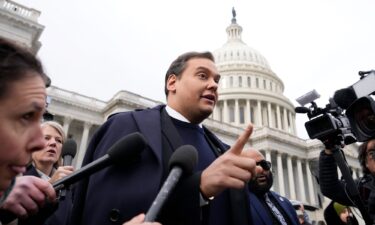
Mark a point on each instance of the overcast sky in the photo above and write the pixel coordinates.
(97, 48)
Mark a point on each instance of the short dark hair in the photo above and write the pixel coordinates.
(362, 154)
(179, 65)
(15, 62)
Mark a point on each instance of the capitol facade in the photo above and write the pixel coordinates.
(249, 91)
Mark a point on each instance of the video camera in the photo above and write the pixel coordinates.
(349, 116)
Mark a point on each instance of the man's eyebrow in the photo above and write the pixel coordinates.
(38, 106)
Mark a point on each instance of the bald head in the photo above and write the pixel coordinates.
(255, 154)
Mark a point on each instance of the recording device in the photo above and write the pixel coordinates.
(123, 151)
(349, 116)
(69, 150)
(182, 162)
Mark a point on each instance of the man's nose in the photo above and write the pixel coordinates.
(213, 84)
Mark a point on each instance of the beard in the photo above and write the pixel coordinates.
(260, 188)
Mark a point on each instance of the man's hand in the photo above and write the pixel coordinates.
(28, 195)
(138, 220)
(231, 170)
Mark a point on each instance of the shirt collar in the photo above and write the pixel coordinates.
(178, 116)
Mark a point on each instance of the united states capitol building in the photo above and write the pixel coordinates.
(249, 92)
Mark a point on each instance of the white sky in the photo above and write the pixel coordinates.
(97, 48)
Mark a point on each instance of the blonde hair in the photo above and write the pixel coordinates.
(57, 127)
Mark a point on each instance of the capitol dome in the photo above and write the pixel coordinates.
(249, 90)
(235, 50)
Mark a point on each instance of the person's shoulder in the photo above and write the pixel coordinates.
(124, 115)
(281, 198)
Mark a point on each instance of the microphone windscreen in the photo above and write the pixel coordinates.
(185, 157)
(127, 148)
(69, 148)
(344, 97)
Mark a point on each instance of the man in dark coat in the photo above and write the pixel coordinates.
(266, 206)
(118, 193)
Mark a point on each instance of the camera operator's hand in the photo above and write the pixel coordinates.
(332, 142)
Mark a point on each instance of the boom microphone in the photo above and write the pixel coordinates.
(69, 150)
(182, 161)
(124, 150)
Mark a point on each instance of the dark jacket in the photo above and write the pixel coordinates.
(335, 189)
(259, 215)
(118, 193)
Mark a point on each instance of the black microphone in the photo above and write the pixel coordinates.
(69, 150)
(344, 97)
(182, 161)
(123, 151)
(301, 109)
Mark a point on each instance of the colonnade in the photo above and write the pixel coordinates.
(261, 113)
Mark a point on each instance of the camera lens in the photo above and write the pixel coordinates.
(365, 119)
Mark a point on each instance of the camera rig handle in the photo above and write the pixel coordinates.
(351, 186)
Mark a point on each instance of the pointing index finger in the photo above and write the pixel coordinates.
(242, 139)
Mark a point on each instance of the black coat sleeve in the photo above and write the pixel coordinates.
(330, 185)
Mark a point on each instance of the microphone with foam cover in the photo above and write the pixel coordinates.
(344, 97)
(182, 162)
(123, 151)
(68, 152)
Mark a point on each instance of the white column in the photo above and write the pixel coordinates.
(259, 113)
(236, 112)
(268, 158)
(292, 131)
(269, 113)
(83, 146)
(360, 173)
(280, 174)
(247, 112)
(310, 185)
(354, 173)
(278, 117)
(215, 112)
(300, 181)
(268, 155)
(67, 121)
(292, 189)
(285, 120)
(225, 111)
(294, 123)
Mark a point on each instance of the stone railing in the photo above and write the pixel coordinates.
(75, 98)
(20, 10)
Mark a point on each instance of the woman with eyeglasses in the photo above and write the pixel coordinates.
(335, 189)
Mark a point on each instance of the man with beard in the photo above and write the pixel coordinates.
(267, 207)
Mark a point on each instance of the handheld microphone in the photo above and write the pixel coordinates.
(182, 161)
(69, 150)
(123, 151)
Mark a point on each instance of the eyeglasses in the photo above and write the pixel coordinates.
(371, 153)
(266, 165)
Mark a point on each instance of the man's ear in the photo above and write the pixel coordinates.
(171, 83)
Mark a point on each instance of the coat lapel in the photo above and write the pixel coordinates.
(148, 122)
(258, 212)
